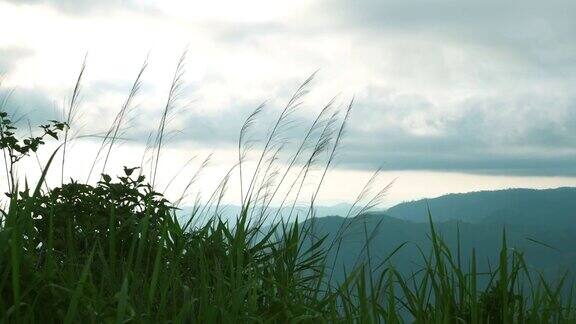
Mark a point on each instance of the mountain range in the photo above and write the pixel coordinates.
(540, 223)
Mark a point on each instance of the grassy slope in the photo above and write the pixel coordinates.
(154, 271)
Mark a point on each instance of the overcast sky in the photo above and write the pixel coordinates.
(450, 95)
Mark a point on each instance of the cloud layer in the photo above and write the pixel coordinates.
(474, 87)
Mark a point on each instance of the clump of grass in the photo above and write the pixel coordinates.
(116, 251)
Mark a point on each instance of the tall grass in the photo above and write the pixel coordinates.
(116, 251)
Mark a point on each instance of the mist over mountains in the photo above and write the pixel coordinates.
(540, 223)
(288, 214)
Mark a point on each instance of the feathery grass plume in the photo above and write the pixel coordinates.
(71, 114)
(193, 179)
(173, 95)
(371, 201)
(221, 190)
(322, 144)
(316, 124)
(338, 137)
(334, 147)
(267, 182)
(112, 134)
(215, 197)
(364, 193)
(273, 137)
(244, 145)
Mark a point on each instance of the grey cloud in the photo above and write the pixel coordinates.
(526, 134)
(520, 43)
(217, 130)
(509, 19)
(498, 135)
(534, 32)
(530, 135)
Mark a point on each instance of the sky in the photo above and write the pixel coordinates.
(449, 96)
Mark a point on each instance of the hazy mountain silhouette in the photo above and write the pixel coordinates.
(540, 223)
(230, 212)
(550, 208)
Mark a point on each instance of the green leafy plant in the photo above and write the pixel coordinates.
(15, 148)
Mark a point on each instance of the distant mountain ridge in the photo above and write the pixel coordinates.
(550, 208)
(540, 223)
